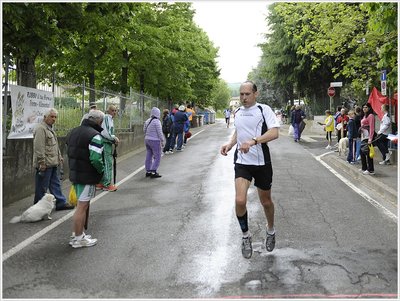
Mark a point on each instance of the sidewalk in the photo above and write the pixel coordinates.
(385, 180)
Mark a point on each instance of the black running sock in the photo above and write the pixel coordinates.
(243, 222)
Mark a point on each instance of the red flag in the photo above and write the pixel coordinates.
(376, 99)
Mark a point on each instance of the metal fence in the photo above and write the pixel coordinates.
(72, 102)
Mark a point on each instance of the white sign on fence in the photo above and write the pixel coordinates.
(27, 106)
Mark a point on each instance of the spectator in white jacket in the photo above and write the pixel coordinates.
(383, 132)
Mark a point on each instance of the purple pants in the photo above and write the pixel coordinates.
(296, 131)
(153, 156)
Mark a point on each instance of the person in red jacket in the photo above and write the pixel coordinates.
(343, 119)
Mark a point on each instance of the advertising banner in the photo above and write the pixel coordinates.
(27, 106)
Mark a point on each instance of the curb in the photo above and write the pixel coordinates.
(370, 181)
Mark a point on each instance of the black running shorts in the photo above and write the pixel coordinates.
(262, 174)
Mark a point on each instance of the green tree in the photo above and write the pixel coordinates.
(221, 95)
(155, 48)
(312, 44)
(32, 31)
(383, 20)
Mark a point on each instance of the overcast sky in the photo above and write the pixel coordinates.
(236, 27)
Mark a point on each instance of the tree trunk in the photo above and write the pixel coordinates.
(124, 83)
(26, 72)
(92, 94)
(291, 94)
(141, 79)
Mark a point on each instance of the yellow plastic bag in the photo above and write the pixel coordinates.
(371, 151)
(73, 199)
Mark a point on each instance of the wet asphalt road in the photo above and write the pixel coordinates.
(178, 237)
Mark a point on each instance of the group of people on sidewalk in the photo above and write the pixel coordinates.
(89, 151)
(174, 131)
(358, 126)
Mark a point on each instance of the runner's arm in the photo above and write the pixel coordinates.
(227, 147)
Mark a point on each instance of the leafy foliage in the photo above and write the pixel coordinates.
(312, 44)
(155, 48)
(221, 96)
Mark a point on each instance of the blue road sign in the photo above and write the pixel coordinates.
(383, 75)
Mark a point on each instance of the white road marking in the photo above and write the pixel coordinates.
(357, 190)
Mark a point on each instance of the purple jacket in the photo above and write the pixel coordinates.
(152, 127)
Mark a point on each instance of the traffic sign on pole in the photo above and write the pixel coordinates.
(383, 88)
(331, 91)
(383, 75)
(383, 82)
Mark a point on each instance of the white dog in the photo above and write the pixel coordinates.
(38, 211)
(343, 145)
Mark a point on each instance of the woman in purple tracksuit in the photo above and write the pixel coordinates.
(154, 140)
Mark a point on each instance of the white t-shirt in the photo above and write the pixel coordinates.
(227, 113)
(249, 123)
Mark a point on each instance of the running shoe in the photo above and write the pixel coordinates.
(84, 242)
(270, 244)
(110, 188)
(247, 248)
(72, 238)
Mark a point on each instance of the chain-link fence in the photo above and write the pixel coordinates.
(72, 102)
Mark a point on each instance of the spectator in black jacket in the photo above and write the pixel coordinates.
(167, 129)
(357, 119)
(352, 132)
(86, 164)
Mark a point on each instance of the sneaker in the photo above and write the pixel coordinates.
(84, 242)
(361, 170)
(170, 151)
(366, 172)
(328, 147)
(99, 186)
(179, 150)
(155, 175)
(270, 244)
(388, 156)
(295, 140)
(385, 163)
(354, 162)
(110, 188)
(148, 174)
(358, 158)
(247, 248)
(72, 238)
